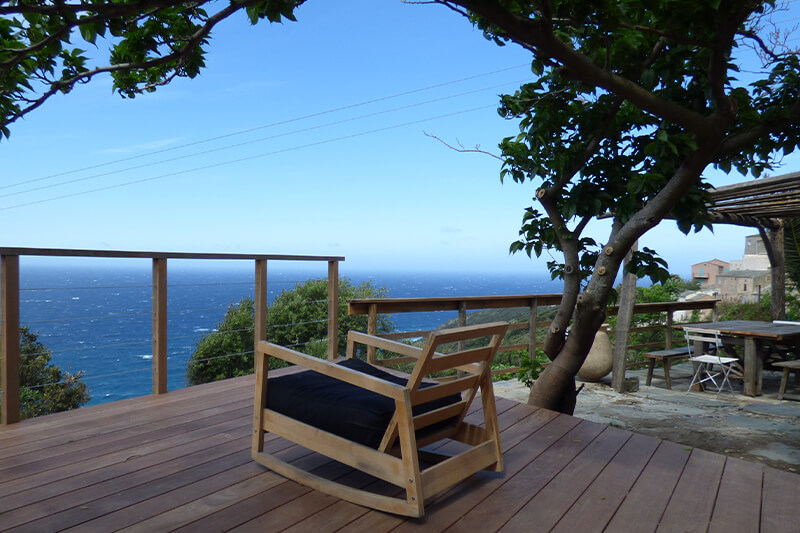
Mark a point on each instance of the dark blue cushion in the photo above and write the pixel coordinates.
(340, 408)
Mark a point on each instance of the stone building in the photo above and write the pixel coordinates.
(744, 285)
(706, 272)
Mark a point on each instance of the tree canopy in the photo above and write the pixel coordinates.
(632, 102)
(297, 318)
(45, 388)
(44, 46)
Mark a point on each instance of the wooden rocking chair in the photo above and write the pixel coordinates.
(376, 421)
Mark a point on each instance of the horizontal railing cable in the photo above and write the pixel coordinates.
(252, 141)
(250, 157)
(265, 126)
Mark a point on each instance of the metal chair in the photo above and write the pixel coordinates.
(705, 363)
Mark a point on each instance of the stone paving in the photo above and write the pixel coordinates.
(762, 429)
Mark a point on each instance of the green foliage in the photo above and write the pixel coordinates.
(147, 44)
(44, 387)
(530, 368)
(297, 319)
(227, 352)
(305, 309)
(595, 147)
(746, 311)
(667, 291)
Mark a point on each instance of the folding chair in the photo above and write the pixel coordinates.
(706, 362)
(376, 421)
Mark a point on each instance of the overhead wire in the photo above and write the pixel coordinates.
(247, 158)
(253, 141)
(265, 126)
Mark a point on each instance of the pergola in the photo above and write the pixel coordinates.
(764, 204)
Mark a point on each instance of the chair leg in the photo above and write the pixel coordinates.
(667, 365)
(696, 378)
(726, 370)
(784, 382)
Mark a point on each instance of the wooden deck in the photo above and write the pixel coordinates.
(181, 461)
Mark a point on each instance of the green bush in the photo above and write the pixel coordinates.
(298, 318)
(44, 387)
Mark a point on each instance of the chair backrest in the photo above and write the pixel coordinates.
(473, 364)
(708, 336)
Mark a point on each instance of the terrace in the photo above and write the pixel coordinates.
(179, 460)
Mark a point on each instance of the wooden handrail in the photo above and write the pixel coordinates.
(375, 306)
(9, 307)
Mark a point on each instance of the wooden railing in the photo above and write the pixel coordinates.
(373, 307)
(10, 313)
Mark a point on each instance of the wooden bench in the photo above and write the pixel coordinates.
(788, 366)
(666, 357)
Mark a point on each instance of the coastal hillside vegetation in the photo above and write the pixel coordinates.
(44, 387)
(298, 319)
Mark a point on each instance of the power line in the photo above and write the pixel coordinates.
(265, 126)
(248, 158)
(262, 139)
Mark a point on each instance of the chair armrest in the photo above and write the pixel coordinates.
(359, 379)
(384, 344)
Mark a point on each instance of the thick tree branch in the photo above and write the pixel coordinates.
(734, 144)
(533, 33)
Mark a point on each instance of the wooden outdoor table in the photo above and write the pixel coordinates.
(756, 335)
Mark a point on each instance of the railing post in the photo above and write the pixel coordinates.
(159, 325)
(259, 334)
(532, 322)
(372, 329)
(333, 309)
(260, 302)
(9, 344)
(668, 333)
(462, 321)
(624, 319)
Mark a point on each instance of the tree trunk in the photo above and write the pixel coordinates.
(555, 387)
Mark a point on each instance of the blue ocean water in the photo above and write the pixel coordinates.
(98, 320)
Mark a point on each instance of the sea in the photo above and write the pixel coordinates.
(97, 320)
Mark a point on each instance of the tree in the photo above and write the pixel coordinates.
(149, 43)
(297, 318)
(791, 250)
(45, 388)
(633, 100)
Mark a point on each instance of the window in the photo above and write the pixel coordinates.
(701, 271)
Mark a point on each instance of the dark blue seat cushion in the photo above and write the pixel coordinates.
(340, 408)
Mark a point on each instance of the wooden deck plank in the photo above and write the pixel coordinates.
(452, 504)
(692, 503)
(510, 414)
(108, 421)
(551, 503)
(182, 461)
(736, 508)
(494, 511)
(780, 501)
(277, 490)
(115, 415)
(94, 470)
(596, 506)
(642, 508)
(77, 451)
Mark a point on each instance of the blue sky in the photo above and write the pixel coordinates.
(363, 182)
